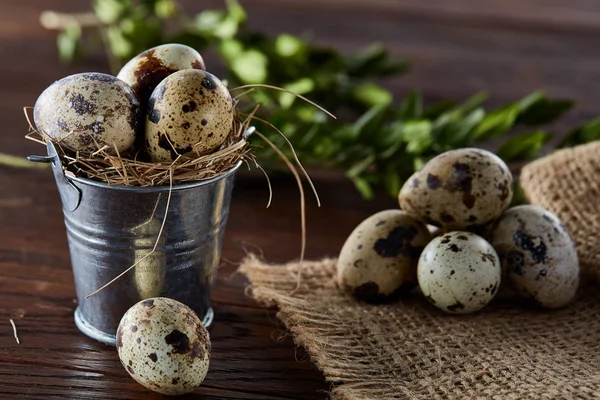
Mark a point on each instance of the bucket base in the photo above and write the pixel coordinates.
(111, 340)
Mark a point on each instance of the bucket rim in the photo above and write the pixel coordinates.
(154, 189)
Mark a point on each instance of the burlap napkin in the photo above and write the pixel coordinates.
(410, 350)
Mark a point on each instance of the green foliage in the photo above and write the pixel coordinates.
(386, 141)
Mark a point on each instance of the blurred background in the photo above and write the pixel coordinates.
(418, 54)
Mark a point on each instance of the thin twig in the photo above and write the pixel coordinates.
(153, 249)
(302, 203)
(15, 331)
(310, 182)
(268, 182)
(312, 103)
(57, 20)
(20, 162)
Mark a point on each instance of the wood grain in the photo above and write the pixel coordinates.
(508, 48)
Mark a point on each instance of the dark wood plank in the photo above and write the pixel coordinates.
(250, 354)
(508, 48)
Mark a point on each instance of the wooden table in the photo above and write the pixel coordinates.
(508, 48)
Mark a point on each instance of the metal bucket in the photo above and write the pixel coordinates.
(109, 228)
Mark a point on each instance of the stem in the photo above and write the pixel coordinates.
(56, 20)
(20, 162)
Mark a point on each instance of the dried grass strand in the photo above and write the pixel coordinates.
(108, 166)
(268, 183)
(162, 226)
(302, 203)
(291, 146)
(14, 327)
(312, 103)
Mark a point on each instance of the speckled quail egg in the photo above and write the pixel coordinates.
(538, 255)
(84, 112)
(189, 113)
(459, 189)
(163, 345)
(379, 259)
(146, 70)
(459, 272)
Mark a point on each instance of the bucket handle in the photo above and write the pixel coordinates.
(69, 193)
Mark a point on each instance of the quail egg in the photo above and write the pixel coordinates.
(379, 259)
(189, 113)
(459, 189)
(163, 345)
(146, 70)
(538, 255)
(459, 272)
(84, 112)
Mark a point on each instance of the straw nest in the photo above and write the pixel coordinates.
(130, 169)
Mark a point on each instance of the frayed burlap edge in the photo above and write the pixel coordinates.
(410, 350)
(567, 183)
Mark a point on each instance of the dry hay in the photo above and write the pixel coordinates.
(108, 166)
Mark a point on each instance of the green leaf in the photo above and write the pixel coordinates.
(544, 111)
(363, 187)
(109, 11)
(288, 46)
(250, 67)
(417, 135)
(120, 45)
(359, 168)
(472, 103)
(217, 24)
(364, 58)
(392, 183)
(374, 61)
(584, 134)
(523, 146)
(371, 121)
(518, 196)
(231, 49)
(436, 110)
(530, 100)
(326, 148)
(301, 86)
(165, 9)
(462, 136)
(411, 107)
(496, 123)
(419, 162)
(236, 11)
(68, 43)
(371, 94)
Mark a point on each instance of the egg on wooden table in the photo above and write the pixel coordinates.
(538, 256)
(164, 346)
(459, 272)
(379, 259)
(84, 112)
(190, 113)
(146, 70)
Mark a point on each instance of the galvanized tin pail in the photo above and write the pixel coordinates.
(109, 228)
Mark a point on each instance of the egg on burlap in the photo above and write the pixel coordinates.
(379, 259)
(538, 255)
(459, 189)
(459, 272)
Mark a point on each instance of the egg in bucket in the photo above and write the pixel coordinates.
(145, 185)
